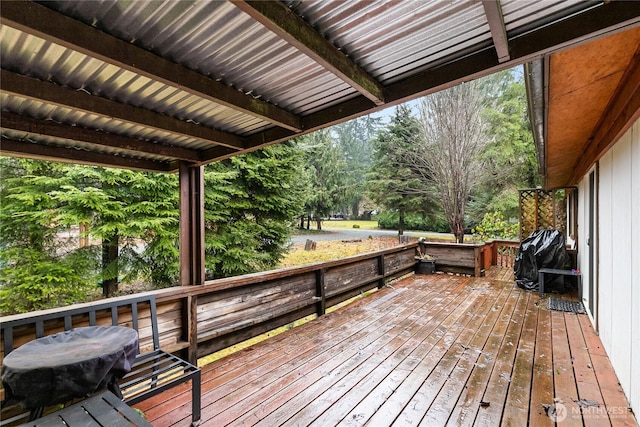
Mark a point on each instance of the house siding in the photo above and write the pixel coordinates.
(617, 316)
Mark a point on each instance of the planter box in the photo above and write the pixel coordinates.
(464, 258)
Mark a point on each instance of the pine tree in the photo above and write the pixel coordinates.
(393, 181)
(132, 219)
(251, 202)
(354, 138)
(40, 266)
(326, 172)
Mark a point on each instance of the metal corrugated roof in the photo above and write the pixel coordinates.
(35, 57)
(217, 40)
(216, 78)
(430, 32)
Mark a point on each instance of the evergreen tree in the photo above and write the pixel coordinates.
(354, 138)
(509, 159)
(326, 171)
(135, 216)
(40, 267)
(392, 181)
(251, 202)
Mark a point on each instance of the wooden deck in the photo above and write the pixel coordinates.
(429, 350)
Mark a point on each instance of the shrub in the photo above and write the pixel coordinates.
(413, 221)
(494, 226)
(31, 280)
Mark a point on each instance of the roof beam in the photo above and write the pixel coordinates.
(21, 123)
(17, 148)
(594, 23)
(27, 87)
(277, 17)
(45, 23)
(493, 11)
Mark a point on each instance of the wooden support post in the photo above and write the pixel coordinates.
(190, 327)
(381, 272)
(494, 253)
(191, 224)
(321, 306)
(191, 248)
(478, 261)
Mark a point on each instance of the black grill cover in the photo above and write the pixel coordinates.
(543, 249)
(59, 367)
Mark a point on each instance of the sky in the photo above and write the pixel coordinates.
(386, 114)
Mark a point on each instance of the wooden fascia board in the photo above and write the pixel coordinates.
(40, 21)
(50, 93)
(610, 17)
(493, 11)
(281, 20)
(15, 148)
(14, 121)
(622, 111)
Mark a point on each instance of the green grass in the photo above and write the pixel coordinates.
(363, 225)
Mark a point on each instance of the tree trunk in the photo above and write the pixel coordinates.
(319, 223)
(400, 221)
(355, 209)
(459, 233)
(109, 258)
(308, 221)
(301, 222)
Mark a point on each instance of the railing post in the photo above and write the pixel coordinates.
(321, 306)
(478, 261)
(381, 272)
(190, 327)
(494, 253)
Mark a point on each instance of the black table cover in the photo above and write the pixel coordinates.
(56, 368)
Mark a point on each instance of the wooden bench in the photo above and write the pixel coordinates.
(103, 409)
(152, 372)
(560, 272)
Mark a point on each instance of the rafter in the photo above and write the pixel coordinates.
(27, 87)
(493, 11)
(45, 23)
(277, 17)
(14, 121)
(17, 148)
(597, 22)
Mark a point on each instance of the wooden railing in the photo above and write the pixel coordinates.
(503, 252)
(196, 321)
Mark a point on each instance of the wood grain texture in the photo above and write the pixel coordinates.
(429, 350)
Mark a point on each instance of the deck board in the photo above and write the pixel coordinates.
(516, 407)
(427, 350)
(564, 380)
(457, 396)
